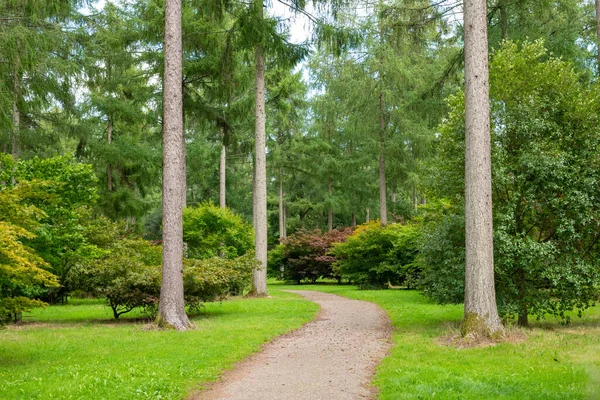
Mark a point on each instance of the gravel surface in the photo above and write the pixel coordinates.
(332, 357)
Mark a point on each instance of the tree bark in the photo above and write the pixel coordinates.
(353, 220)
(223, 177)
(330, 211)
(171, 307)
(382, 183)
(259, 276)
(481, 313)
(16, 116)
(282, 230)
(367, 219)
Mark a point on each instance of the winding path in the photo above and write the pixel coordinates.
(332, 357)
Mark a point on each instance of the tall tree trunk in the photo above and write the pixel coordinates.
(223, 177)
(171, 307)
(598, 31)
(330, 211)
(109, 135)
(415, 198)
(382, 184)
(481, 313)
(259, 276)
(16, 116)
(284, 219)
(368, 217)
(282, 230)
(353, 220)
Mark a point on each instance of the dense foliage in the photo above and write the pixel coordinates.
(127, 271)
(305, 255)
(379, 256)
(22, 271)
(211, 231)
(545, 188)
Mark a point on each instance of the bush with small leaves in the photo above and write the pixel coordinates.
(376, 256)
(214, 279)
(212, 231)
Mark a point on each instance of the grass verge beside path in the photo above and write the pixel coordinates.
(77, 351)
(554, 362)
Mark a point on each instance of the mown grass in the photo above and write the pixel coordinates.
(77, 351)
(553, 362)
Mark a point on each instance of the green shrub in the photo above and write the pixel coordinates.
(126, 273)
(211, 231)
(376, 256)
(22, 273)
(305, 255)
(215, 278)
(443, 256)
(545, 174)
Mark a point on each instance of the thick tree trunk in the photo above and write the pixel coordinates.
(223, 177)
(382, 183)
(259, 276)
(330, 211)
(481, 313)
(172, 308)
(109, 135)
(282, 230)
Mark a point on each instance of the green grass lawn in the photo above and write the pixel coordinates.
(554, 362)
(77, 351)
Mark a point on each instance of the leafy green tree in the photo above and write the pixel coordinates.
(65, 192)
(545, 167)
(23, 273)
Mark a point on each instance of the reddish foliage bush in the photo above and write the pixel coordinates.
(305, 255)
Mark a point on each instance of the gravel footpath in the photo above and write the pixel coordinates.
(332, 357)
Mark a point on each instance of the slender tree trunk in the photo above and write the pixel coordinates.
(172, 308)
(598, 31)
(353, 220)
(259, 276)
(16, 116)
(415, 198)
(284, 219)
(109, 134)
(382, 184)
(481, 313)
(330, 211)
(223, 177)
(368, 218)
(282, 230)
